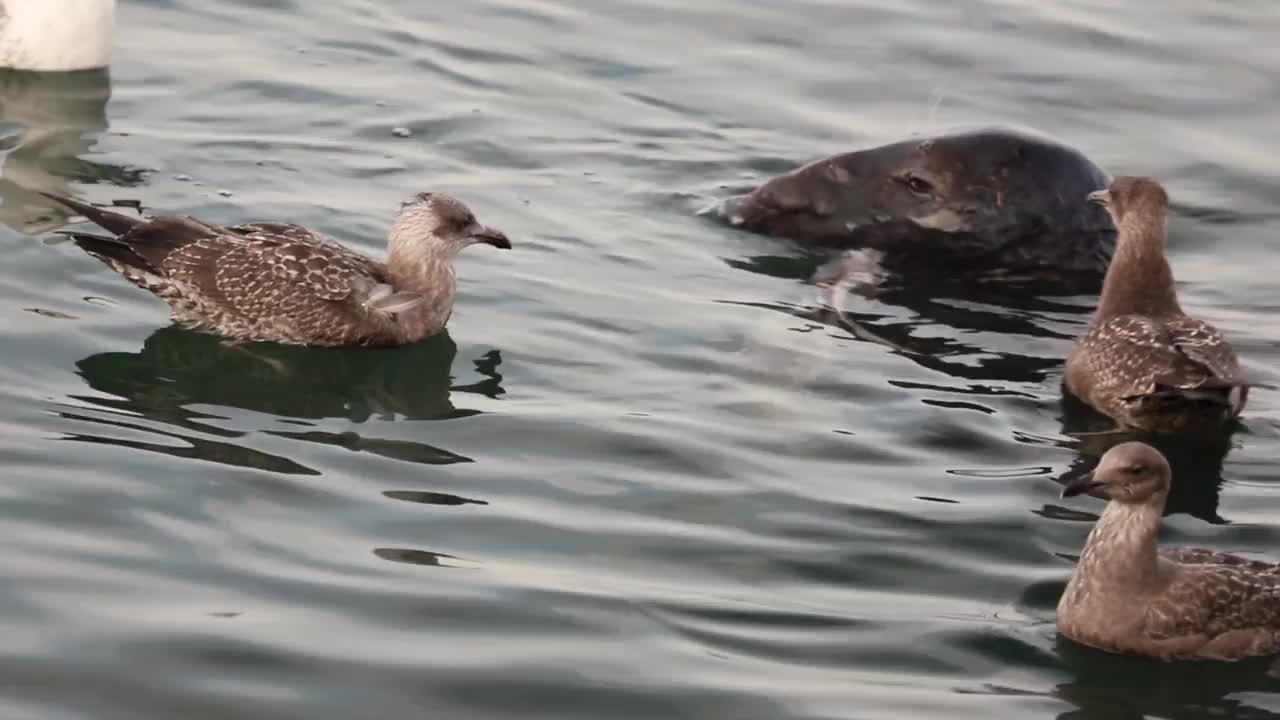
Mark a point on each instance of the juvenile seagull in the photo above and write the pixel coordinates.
(1125, 597)
(277, 282)
(1143, 361)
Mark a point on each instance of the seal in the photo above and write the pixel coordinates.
(992, 200)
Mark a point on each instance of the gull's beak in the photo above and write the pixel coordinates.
(1099, 197)
(491, 236)
(1081, 485)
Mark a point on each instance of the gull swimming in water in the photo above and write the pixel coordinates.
(1128, 597)
(56, 35)
(1143, 361)
(277, 282)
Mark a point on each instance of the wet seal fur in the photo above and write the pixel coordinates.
(992, 200)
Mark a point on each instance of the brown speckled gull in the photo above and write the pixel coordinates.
(268, 281)
(1125, 597)
(1143, 361)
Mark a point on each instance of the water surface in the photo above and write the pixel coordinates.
(641, 476)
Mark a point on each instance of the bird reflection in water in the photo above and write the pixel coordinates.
(1196, 459)
(177, 369)
(48, 123)
(1111, 686)
(1117, 687)
(1021, 309)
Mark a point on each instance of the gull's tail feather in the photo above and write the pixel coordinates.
(113, 221)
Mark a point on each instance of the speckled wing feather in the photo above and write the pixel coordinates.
(305, 261)
(1133, 356)
(279, 282)
(1202, 344)
(1202, 556)
(1211, 600)
(257, 280)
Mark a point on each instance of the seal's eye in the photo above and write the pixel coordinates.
(917, 184)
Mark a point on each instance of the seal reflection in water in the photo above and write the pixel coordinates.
(1143, 361)
(978, 202)
(1127, 597)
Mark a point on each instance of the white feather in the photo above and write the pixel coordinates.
(378, 292)
(395, 302)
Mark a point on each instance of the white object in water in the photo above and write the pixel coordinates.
(56, 35)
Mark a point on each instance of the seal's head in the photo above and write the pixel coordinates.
(1130, 196)
(992, 196)
(1131, 472)
(438, 220)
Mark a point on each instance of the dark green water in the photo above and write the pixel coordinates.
(637, 479)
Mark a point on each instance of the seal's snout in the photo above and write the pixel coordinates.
(1099, 197)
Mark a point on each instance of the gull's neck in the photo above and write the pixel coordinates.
(1139, 280)
(1121, 548)
(422, 265)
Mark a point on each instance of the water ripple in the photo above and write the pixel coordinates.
(645, 473)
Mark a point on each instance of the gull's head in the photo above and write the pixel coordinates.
(437, 219)
(1133, 197)
(1131, 472)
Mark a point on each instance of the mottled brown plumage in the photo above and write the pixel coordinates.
(1125, 597)
(283, 283)
(1143, 361)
